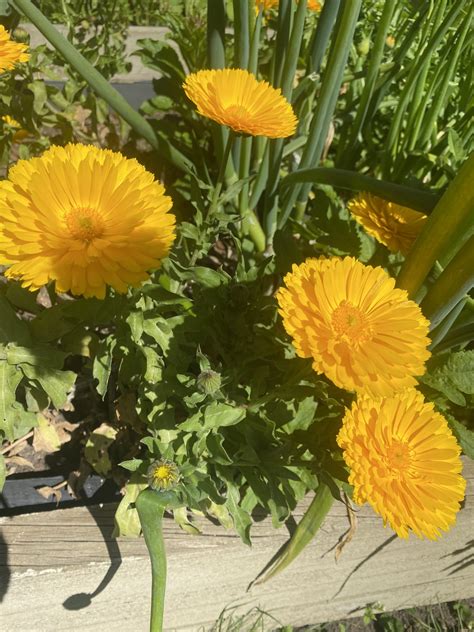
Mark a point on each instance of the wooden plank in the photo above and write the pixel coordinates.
(53, 562)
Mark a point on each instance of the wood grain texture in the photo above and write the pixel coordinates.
(53, 562)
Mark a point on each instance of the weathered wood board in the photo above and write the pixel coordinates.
(49, 560)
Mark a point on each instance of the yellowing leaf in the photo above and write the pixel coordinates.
(45, 437)
(97, 446)
(127, 522)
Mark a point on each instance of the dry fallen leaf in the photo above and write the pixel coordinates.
(12, 461)
(46, 491)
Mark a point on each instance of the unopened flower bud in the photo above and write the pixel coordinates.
(209, 382)
(163, 475)
(363, 46)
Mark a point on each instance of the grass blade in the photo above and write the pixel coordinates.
(321, 35)
(326, 103)
(417, 199)
(447, 229)
(304, 533)
(456, 280)
(371, 78)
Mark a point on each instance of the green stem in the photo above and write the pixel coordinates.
(151, 506)
(221, 175)
(245, 151)
(439, 332)
(255, 43)
(321, 35)
(216, 22)
(456, 280)
(406, 95)
(326, 102)
(285, 12)
(372, 74)
(241, 33)
(99, 84)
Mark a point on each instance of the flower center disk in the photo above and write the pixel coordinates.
(350, 323)
(398, 457)
(84, 224)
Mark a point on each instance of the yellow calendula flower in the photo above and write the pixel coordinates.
(265, 5)
(314, 5)
(85, 218)
(395, 226)
(405, 462)
(11, 53)
(236, 98)
(19, 133)
(360, 331)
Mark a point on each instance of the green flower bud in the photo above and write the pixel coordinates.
(363, 46)
(209, 382)
(163, 475)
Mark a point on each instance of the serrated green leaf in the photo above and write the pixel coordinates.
(453, 376)
(159, 330)
(57, 384)
(12, 329)
(135, 321)
(242, 520)
(464, 436)
(102, 365)
(460, 368)
(22, 298)
(10, 377)
(153, 372)
(217, 415)
(206, 277)
(43, 356)
(132, 465)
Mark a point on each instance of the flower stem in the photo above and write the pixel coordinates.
(151, 506)
(221, 175)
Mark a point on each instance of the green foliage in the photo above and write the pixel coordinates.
(194, 366)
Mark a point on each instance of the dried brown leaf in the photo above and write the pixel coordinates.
(19, 461)
(46, 491)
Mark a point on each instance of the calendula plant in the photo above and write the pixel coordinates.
(260, 314)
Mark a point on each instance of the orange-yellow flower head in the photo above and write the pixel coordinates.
(11, 53)
(393, 225)
(405, 462)
(85, 218)
(236, 98)
(364, 334)
(265, 5)
(314, 5)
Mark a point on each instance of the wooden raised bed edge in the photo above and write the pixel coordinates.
(61, 570)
